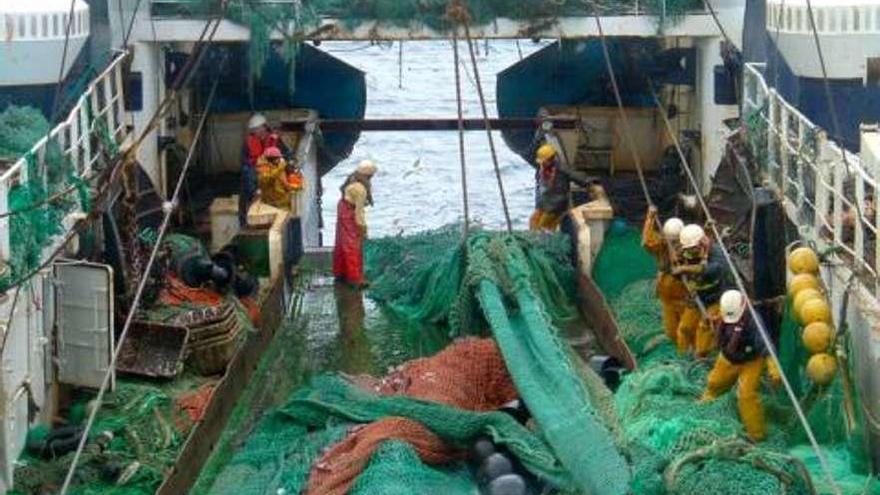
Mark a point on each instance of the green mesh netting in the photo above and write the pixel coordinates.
(524, 285)
(20, 129)
(679, 445)
(148, 432)
(37, 206)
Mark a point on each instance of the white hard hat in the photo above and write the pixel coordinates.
(366, 167)
(256, 121)
(672, 228)
(691, 236)
(733, 305)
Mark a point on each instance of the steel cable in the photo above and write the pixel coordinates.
(168, 208)
(765, 337)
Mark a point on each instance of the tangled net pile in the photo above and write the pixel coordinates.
(677, 444)
(439, 405)
(148, 425)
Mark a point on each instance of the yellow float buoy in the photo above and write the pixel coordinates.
(818, 337)
(803, 281)
(802, 297)
(803, 260)
(813, 310)
(821, 368)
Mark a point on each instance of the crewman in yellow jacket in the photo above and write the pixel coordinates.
(272, 179)
(741, 363)
(671, 291)
(703, 268)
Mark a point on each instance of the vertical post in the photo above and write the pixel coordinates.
(800, 162)
(772, 159)
(837, 191)
(859, 224)
(70, 149)
(782, 115)
(119, 106)
(86, 132)
(5, 253)
(824, 178)
(108, 103)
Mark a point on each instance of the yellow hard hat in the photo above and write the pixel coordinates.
(802, 297)
(816, 309)
(818, 337)
(803, 281)
(545, 153)
(803, 260)
(821, 368)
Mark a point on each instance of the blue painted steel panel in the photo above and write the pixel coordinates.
(574, 72)
(322, 82)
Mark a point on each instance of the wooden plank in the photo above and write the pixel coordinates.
(594, 307)
(204, 436)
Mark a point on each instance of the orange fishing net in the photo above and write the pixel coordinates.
(196, 403)
(176, 293)
(469, 374)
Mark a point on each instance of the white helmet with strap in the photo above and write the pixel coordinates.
(672, 229)
(691, 236)
(733, 306)
(257, 121)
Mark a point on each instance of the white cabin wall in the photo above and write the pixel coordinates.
(147, 60)
(310, 209)
(26, 367)
(711, 116)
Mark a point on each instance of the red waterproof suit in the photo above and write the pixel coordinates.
(348, 255)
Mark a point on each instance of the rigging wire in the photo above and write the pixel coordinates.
(494, 153)
(461, 148)
(137, 7)
(168, 209)
(765, 337)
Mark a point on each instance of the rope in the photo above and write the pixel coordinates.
(168, 210)
(627, 133)
(458, 13)
(713, 228)
(759, 323)
(461, 153)
(130, 24)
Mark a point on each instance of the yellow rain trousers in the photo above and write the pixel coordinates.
(673, 300)
(544, 220)
(671, 291)
(747, 377)
(695, 332)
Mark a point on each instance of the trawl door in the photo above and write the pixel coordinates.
(84, 319)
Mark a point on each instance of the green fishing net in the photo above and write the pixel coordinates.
(680, 445)
(20, 129)
(147, 431)
(37, 205)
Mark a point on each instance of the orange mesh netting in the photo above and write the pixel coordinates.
(469, 374)
(176, 293)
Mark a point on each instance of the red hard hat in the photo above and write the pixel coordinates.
(272, 152)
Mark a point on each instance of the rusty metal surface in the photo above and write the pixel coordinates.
(204, 436)
(596, 310)
(153, 350)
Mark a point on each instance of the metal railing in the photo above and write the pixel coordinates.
(827, 191)
(96, 118)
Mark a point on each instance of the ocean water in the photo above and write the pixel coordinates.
(418, 185)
